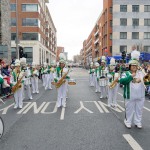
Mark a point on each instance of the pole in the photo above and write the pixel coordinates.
(17, 38)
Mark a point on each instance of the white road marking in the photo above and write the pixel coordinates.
(103, 106)
(45, 107)
(121, 107)
(35, 109)
(26, 106)
(132, 142)
(99, 108)
(62, 114)
(6, 109)
(82, 107)
(120, 94)
(146, 108)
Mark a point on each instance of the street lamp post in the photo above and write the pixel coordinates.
(17, 41)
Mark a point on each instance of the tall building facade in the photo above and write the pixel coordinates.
(59, 50)
(131, 25)
(5, 30)
(32, 25)
(121, 24)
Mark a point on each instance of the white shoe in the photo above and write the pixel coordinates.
(109, 105)
(30, 98)
(15, 107)
(50, 88)
(127, 125)
(33, 92)
(96, 91)
(101, 97)
(139, 126)
(64, 105)
(20, 107)
(37, 92)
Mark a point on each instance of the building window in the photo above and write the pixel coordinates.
(111, 24)
(13, 21)
(123, 35)
(110, 10)
(123, 8)
(123, 48)
(135, 8)
(135, 35)
(135, 22)
(147, 49)
(29, 22)
(30, 7)
(29, 53)
(13, 7)
(123, 21)
(146, 22)
(29, 36)
(110, 36)
(13, 36)
(146, 35)
(13, 52)
(147, 8)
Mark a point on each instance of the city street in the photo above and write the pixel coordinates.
(85, 124)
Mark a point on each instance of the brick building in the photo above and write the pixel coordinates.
(59, 50)
(120, 25)
(36, 30)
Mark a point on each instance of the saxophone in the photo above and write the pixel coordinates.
(62, 80)
(17, 85)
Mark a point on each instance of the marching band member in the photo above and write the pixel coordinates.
(44, 74)
(17, 75)
(27, 81)
(134, 92)
(112, 84)
(34, 78)
(91, 72)
(60, 72)
(48, 78)
(103, 81)
(96, 77)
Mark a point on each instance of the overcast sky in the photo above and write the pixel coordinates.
(74, 20)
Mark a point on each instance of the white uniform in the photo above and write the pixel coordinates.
(96, 78)
(34, 81)
(19, 93)
(91, 77)
(27, 82)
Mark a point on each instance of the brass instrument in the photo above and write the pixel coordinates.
(17, 85)
(113, 84)
(62, 80)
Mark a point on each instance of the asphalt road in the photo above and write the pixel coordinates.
(85, 124)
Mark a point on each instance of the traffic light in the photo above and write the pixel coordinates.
(21, 53)
(123, 55)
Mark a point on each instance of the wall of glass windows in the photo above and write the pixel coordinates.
(30, 7)
(13, 36)
(13, 7)
(29, 36)
(30, 22)
(13, 21)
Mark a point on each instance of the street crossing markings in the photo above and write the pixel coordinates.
(132, 142)
(103, 106)
(82, 107)
(120, 94)
(99, 108)
(43, 111)
(35, 109)
(6, 109)
(146, 108)
(62, 113)
(26, 106)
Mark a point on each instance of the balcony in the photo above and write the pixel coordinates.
(96, 33)
(97, 41)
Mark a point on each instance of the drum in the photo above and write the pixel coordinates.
(71, 82)
(103, 82)
(1, 127)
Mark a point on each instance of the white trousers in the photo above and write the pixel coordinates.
(34, 82)
(61, 98)
(91, 79)
(18, 97)
(48, 82)
(104, 91)
(28, 89)
(44, 79)
(112, 95)
(97, 87)
(134, 109)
